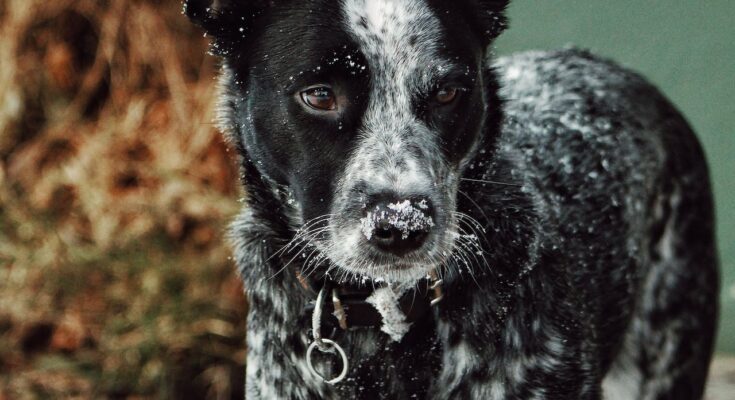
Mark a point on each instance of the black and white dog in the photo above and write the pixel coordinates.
(534, 227)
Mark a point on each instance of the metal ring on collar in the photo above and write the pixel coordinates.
(332, 346)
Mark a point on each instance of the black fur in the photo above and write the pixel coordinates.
(587, 252)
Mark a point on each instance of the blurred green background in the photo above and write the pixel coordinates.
(687, 48)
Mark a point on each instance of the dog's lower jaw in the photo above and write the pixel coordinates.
(398, 273)
(406, 271)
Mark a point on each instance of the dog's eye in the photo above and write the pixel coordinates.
(320, 98)
(446, 95)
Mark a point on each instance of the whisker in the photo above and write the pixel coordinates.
(475, 204)
(301, 234)
(311, 267)
(476, 244)
(305, 241)
(470, 219)
(308, 259)
(491, 182)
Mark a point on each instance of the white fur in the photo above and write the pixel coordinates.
(394, 321)
(623, 382)
(463, 360)
(401, 71)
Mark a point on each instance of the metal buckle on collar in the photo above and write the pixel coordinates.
(329, 346)
(436, 286)
(339, 311)
(325, 345)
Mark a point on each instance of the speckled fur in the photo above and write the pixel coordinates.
(593, 273)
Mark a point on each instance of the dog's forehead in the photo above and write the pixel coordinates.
(413, 43)
(398, 37)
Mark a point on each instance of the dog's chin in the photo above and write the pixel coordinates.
(406, 273)
(384, 268)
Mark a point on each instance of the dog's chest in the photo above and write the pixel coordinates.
(380, 365)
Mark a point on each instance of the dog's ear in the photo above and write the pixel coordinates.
(492, 17)
(228, 22)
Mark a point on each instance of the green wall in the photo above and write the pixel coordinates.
(687, 48)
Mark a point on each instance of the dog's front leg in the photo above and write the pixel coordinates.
(536, 351)
(276, 364)
(472, 372)
(276, 340)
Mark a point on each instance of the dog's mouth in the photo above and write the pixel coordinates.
(345, 248)
(395, 240)
(377, 266)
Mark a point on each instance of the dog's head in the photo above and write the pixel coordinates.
(365, 111)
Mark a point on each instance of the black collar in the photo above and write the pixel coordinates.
(346, 306)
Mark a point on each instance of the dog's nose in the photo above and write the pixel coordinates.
(398, 226)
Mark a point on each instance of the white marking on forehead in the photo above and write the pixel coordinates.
(398, 37)
(396, 152)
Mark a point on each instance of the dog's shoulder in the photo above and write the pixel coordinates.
(588, 129)
(574, 92)
(588, 136)
(550, 80)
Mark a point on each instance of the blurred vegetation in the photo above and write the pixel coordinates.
(115, 191)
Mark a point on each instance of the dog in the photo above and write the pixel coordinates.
(425, 221)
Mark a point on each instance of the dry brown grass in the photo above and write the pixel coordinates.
(115, 189)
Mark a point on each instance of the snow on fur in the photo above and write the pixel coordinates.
(394, 321)
(403, 216)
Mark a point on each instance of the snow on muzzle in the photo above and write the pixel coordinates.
(398, 227)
